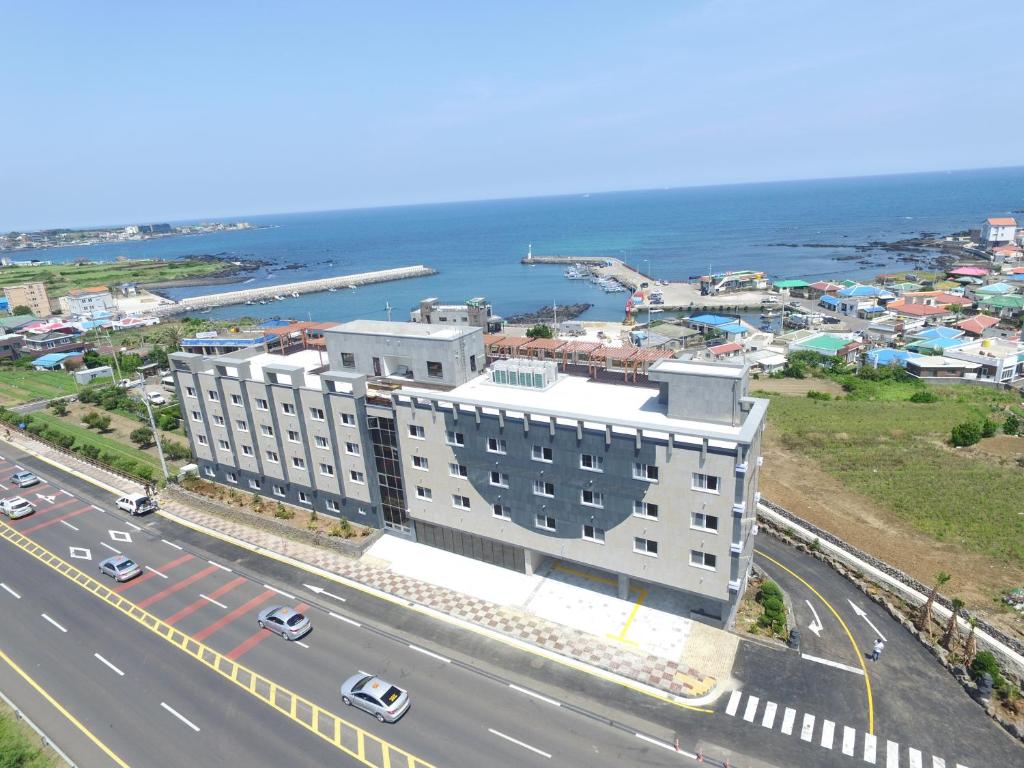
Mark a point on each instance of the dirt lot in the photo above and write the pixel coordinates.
(796, 386)
(797, 484)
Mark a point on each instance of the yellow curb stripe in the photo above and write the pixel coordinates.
(849, 634)
(60, 708)
(220, 664)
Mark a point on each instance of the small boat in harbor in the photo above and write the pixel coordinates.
(250, 302)
(279, 297)
(332, 290)
(295, 294)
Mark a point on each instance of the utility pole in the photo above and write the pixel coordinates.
(152, 425)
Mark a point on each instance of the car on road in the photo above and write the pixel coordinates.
(284, 621)
(383, 700)
(24, 479)
(16, 507)
(120, 568)
(136, 503)
(156, 398)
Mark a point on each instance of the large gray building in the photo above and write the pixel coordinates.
(397, 425)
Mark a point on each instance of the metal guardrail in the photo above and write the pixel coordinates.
(46, 740)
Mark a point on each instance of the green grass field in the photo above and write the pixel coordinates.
(60, 278)
(895, 452)
(22, 386)
(19, 745)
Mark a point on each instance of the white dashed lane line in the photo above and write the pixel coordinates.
(535, 695)
(58, 626)
(104, 661)
(170, 544)
(10, 591)
(154, 570)
(211, 600)
(112, 549)
(132, 525)
(431, 654)
(346, 619)
(69, 525)
(222, 567)
(299, 642)
(519, 743)
(180, 716)
(279, 591)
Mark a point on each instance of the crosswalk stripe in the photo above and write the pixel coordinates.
(914, 757)
(769, 714)
(849, 739)
(787, 721)
(938, 762)
(892, 754)
(870, 744)
(734, 703)
(752, 702)
(808, 727)
(827, 732)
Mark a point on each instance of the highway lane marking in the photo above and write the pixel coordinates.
(346, 619)
(98, 509)
(830, 663)
(892, 754)
(431, 654)
(846, 629)
(279, 591)
(147, 576)
(4, 487)
(769, 715)
(299, 642)
(751, 710)
(151, 569)
(171, 544)
(322, 591)
(65, 492)
(58, 626)
(132, 525)
(204, 599)
(180, 716)
(828, 730)
(787, 721)
(69, 525)
(175, 587)
(209, 630)
(535, 695)
(10, 591)
(118, 671)
(849, 740)
(211, 600)
(664, 745)
(222, 567)
(54, 521)
(60, 708)
(112, 549)
(519, 743)
(808, 727)
(870, 747)
(734, 703)
(122, 536)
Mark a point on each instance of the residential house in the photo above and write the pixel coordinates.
(474, 312)
(57, 361)
(10, 346)
(822, 288)
(977, 325)
(999, 360)
(940, 367)
(86, 301)
(892, 328)
(840, 345)
(998, 231)
(1005, 307)
(791, 287)
(887, 356)
(65, 339)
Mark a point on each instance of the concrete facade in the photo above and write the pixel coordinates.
(31, 295)
(85, 301)
(475, 312)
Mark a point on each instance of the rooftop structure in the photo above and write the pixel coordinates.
(473, 312)
(977, 325)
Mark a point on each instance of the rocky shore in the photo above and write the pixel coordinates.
(547, 314)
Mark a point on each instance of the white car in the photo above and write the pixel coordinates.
(136, 504)
(156, 398)
(16, 507)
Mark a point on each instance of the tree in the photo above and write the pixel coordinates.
(988, 428)
(971, 645)
(965, 434)
(59, 407)
(142, 436)
(21, 309)
(924, 621)
(949, 636)
(1012, 424)
(540, 331)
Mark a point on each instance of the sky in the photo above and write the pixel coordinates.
(138, 112)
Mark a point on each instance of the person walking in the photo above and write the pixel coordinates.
(877, 649)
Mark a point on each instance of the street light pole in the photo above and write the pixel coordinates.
(152, 425)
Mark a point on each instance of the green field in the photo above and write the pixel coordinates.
(60, 278)
(22, 386)
(895, 452)
(19, 745)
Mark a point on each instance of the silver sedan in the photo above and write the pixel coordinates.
(383, 700)
(284, 621)
(120, 568)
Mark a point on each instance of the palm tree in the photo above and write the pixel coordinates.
(971, 646)
(950, 635)
(172, 336)
(924, 621)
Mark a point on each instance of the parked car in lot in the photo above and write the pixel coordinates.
(16, 507)
(120, 568)
(136, 503)
(284, 621)
(24, 479)
(383, 700)
(156, 398)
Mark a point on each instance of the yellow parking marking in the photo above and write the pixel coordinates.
(641, 595)
(849, 635)
(209, 657)
(60, 708)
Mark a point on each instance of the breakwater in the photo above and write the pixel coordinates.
(195, 303)
(597, 260)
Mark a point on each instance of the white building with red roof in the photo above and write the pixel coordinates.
(977, 325)
(1000, 230)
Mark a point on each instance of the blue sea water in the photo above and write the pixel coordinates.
(673, 234)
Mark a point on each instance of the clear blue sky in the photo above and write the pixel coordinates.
(121, 112)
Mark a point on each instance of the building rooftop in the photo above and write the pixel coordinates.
(977, 324)
(825, 343)
(1002, 221)
(421, 330)
(940, 362)
(96, 289)
(307, 359)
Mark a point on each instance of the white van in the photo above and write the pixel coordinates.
(136, 503)
(167, 381)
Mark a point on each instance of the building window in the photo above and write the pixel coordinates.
(645, 546)
(254, 484)
(457, 470)
(348, 360)
(321, 441)
(316, 414)
(218, 420)
(279, 490)
(266, 430)
(236, 399)
(327, 470)
(201, 439)
(454, 438)
(703, 522)
(231, 477)
(593, 533)
(706, 483)
(352, 449)
(421, 462)
(592, 498)
(333, 506)
(422, 492)
(247, 450)
(545, 522)
(190, 391)
(261, 404)
(214, 395)
(223, 445)
(460, 502)
(293, 436)
(298, 463)
(496, 445)
(434, 370)
(500, 479)
(348, 419)
(542, 488)
(208, 471)
(704, 560)
(591, 463)
(357, 477)
(272, 457)
(304, 497)
(645, 509)
(540, 453)
(197, 416)
(472, 363)
(500, 510)
(288, 409)
(647, 472)
(242, 425)
(416, 432)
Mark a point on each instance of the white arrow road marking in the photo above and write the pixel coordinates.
(519, 743)
(47, 499)
(322, 591)
(123, 536)
(81, 553)
(815, 626)
(181, 717)
(58, 626)
(864, 615)
(10, 591)
(119, 672)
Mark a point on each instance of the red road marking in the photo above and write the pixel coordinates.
(190, 609)
(54, 521)
(41, 509)
(150, 575)
(257, 638)
(175, 587)
(205, 633)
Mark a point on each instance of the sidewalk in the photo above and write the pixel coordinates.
(703, 655)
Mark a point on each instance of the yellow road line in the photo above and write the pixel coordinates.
(632, 615)
(849, 634)
(60, 708)
(208, 656)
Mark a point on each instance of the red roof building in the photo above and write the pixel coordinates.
(977, 325)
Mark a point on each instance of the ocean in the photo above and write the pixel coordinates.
(670, 234)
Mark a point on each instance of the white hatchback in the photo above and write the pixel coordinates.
(16, 507)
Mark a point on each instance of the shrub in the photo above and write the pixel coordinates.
(59, 407)
(89, 451)
(283, 512)
(816, 395)
(175, 451)
(342, 528)
(141, 436)
(988, 428)
(256, 503)
(924, 396)
(985, 661)
(1012, 424)
(967, 433)
(144, 471)
(774, 615)
(168, 422)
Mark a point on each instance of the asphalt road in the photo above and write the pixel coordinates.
(469, 704)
